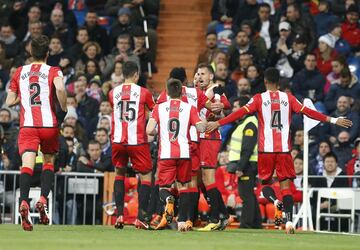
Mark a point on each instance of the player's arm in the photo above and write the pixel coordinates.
(60, 92)
(249, 108)
(12, 99)
(153, 121)
(313, 114)
(248, 144)
(195, 120)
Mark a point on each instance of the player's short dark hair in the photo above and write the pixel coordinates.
(272, 75)
(101, 130)
(178, 73)
(174, 88)
(129, 69)
(40, 47)
(330, 155)
(208, 66)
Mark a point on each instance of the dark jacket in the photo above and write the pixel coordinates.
(308, 84)
(343, 153)
(103, 164)
(98, 34)
(353, 130)
(323, 21)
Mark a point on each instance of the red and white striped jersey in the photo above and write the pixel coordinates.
(129, 102)
(34, 85)
(194, 97)
(274, 109)
(208, 115)
(174, 118)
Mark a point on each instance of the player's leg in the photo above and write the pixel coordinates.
(166, 177)
(141, 162)
(183, 177)
(193, 185)
(28, 142)
(286, 173)
(266, 166)
(119, 160)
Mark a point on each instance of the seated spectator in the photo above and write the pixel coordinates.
(82, 37)
(242, 45)
(219, 57)
(104, 110)
(245, 60)
(208, 54)
(20, 21)
(343, 149)
(247, 10)
(256, 80)
(324, 18)
(298, 181)
(121, 26)
(117, 75)
(7, 36)
(353, 166)
(92, 70)
(105, 122)
(309, 83)
(94, 161)
(222, 78)
(94, 88)
(349, 86)
(280, 49)
(325, 54)
(71, 119)
(60, 28)
(350, 27)
(343, 109)
(222, 11)
(66, 160)
(316, 165)
(121, 53)
(4, 62)
(265, 24)
(243, 87)
(341, 45)
(102, 136)
(67, 68)
(97, 33)
(56, 51)
(334, 76)
(140, 50)
(90, 50)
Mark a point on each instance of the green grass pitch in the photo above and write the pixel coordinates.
(107, 238)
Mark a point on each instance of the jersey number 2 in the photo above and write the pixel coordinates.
(276, 120)
(35, 94)
(174, 128)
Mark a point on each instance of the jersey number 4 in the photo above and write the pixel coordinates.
(276, 120)
(174, 128)
(35, 94)
(127, 111)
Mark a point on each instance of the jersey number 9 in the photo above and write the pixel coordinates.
(173, 128)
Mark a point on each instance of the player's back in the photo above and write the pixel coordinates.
(129, 102)
(274, 110)
(34, 85)
(174, 119)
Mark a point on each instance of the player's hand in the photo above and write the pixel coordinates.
(211, 126)
(217, 107)
(343, 122)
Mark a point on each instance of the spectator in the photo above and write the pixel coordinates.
(82, 37)
(67, 69)
(94, 88)
(221, 77)
(93, 161)
(66, 160)
(35, 30)
(280, 51)
(341, 45)
(325, 54)
(301, 25)
(222, 11)
(350, 27)
(343, 149)
(256, 80)
(353, 166)
(117, 75)
(208, 54)
(105, 122)
(309, 83)
(121, 53)
(140, 50)
(316, 165)
(243, 87)
(71, 119)
(324, 19)
(242, 45)
(343, 109)
(334, 76)
(297, 184)
(97, 33)
(265, 24)
(121, 26)
(247, 10)
(339, 7)
(92, 70)
(245, 60)
(58, 26)
(299, 139)
(349, 86)
(105, 109)
(4, 62)
(87, 106)
(102, 136)
(7, 36)
(56, 51)
(91, 50)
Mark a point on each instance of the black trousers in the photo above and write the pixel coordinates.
(250, 213)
